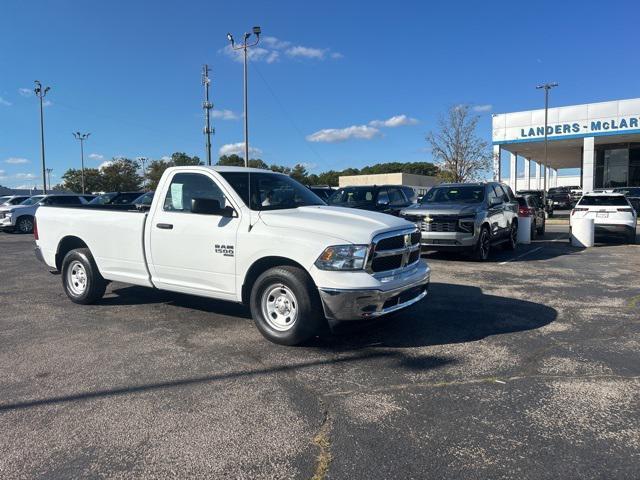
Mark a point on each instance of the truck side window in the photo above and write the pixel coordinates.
(396, 197)
(185, 187)
(491, 194)
(502, 195)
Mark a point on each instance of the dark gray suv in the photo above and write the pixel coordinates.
(470, 217)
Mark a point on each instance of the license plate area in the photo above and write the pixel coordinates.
(602, 215)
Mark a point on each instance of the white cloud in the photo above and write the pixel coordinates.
(25, 176)
(306, 52)
(47, 103)
(16, 161)
(238, 149)
(166, 158)
(25, 92)
(105, 164)
(331, 135)
(483, 108)
(2, 176)
(96, 156)
(4, 102)
(225, 115)
(395, 121)
(271, 49)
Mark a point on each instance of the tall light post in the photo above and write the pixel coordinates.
(546, 87)
(244, 46)
(41, 93)
(49, 170)
(143, 162)
(81, 137)
(207, 106)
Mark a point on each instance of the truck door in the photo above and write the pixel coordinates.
(192, 252)
(495, 213)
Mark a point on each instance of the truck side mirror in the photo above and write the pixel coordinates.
(210, 206)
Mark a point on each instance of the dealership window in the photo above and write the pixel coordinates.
(617, 166)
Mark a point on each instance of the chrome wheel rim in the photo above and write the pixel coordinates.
(279, 307)
(24, 225)
(76, 278)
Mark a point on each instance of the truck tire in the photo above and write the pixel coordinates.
(285, 306)
(483, 245)
(24, 224)
(81, 279)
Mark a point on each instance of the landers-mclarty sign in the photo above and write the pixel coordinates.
(594, 126)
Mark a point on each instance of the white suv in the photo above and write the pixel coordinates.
(611, 212)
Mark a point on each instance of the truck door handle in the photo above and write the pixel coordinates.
(165, 226)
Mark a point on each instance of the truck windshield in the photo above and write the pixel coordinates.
(270, 191)
(349, 195)
(463, 194)
(32, 200)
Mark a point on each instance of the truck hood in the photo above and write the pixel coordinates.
(17, 208)
(443, 209)
(348, 224)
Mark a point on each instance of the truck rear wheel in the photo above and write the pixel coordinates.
(285, 306)
(81, 279)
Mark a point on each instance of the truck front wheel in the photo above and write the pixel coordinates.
(81, 279)
(285, 306)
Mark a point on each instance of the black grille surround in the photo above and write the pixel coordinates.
(394, 250)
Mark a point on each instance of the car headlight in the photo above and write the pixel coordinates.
(343, 257)
(466, 223)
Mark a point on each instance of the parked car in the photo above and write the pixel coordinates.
(323, 191)
(143, 202)
(632, 194)
(88, 197)
(9, 200)
(612, 213)
(560, 198)
(116, 198)
(530, 206)
(380, 198)
(542, 198)
(20, 217)
(575, 192)
(469, 217)
(224, 233)
(410, 193)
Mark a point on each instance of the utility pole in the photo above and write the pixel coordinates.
(41, 93)
(244, 46)
(49, 170)
(546, 87)
(82, 137)
(207, 106)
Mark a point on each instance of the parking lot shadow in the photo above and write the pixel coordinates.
(449, 314)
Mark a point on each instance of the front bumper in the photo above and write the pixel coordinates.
(5, 222)
(447, 240)
(360, 304)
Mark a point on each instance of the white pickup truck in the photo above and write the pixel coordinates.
(242, 235)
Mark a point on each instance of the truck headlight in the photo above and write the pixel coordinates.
(466, 224)
(343, 257)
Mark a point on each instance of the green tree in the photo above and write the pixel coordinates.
(280, 169)
(181, 159)
(121, 175)
(232, 160)
(463, 155)
(154, 172)
(72, 180)
(299, 172)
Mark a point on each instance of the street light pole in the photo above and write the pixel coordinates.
(546, 87)
(49, 170)
(82, 137)
(143, 162)
(244, 46)
(41, 93)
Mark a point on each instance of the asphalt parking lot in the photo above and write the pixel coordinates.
(527, 366)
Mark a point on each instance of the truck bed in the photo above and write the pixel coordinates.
(97, 226)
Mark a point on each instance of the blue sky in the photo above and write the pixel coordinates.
(336, 84)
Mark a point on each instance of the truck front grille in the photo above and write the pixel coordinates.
(394, 250)
(439, 223)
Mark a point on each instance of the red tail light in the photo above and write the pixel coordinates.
(35, 229)
(525, 211)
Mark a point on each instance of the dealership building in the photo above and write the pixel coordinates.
(602, 140)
